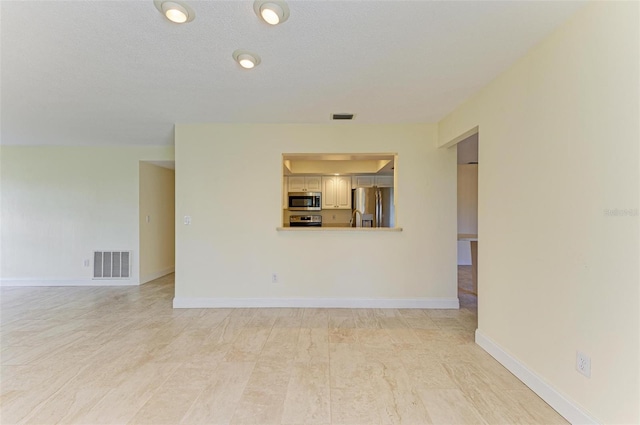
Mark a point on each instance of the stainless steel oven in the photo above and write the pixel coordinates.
(305, 201)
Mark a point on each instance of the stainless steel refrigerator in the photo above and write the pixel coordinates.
(372, 207)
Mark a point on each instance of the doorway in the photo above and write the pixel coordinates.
(467, 194)
(156, 219)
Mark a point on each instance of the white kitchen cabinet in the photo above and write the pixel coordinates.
(336, 192)
(371, 181)
(296, 184)
(305, 184)
(384, 181)
(314, 183)
(362, 181)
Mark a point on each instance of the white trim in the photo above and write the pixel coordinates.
(152, 276)
(431, 303)
(561, 403)
(68, 282)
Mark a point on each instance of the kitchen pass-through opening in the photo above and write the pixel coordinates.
(339, 190)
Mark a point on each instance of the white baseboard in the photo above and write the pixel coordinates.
(152, 276)
(68, 282)
(430, 303)
(562, 404)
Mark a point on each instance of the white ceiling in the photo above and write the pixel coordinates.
(117, 72)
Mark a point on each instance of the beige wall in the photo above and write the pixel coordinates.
(157, 221)
(59, 204)
(229, 180)
(560, 137)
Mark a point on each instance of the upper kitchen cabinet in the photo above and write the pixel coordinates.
(305, 184)
(384, 181)
(371, 181)
(336, 192)
(363, 181)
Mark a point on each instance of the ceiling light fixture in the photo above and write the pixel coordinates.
(246, 59)
(175, 11)
(273, 12)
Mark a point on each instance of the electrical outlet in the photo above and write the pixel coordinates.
(274, 277)
(86, 262)
(583, 364)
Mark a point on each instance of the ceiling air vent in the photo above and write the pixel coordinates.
(342, 116)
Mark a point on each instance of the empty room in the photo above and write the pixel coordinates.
(248, 212)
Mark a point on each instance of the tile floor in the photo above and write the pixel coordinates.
(123, 355)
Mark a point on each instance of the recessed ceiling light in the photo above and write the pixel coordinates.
(246, 59)
(273, 12)
(175, 11)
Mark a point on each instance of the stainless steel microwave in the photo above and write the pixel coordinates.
(305, 201)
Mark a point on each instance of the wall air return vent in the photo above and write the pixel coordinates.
(111, 264)
(342, 116)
